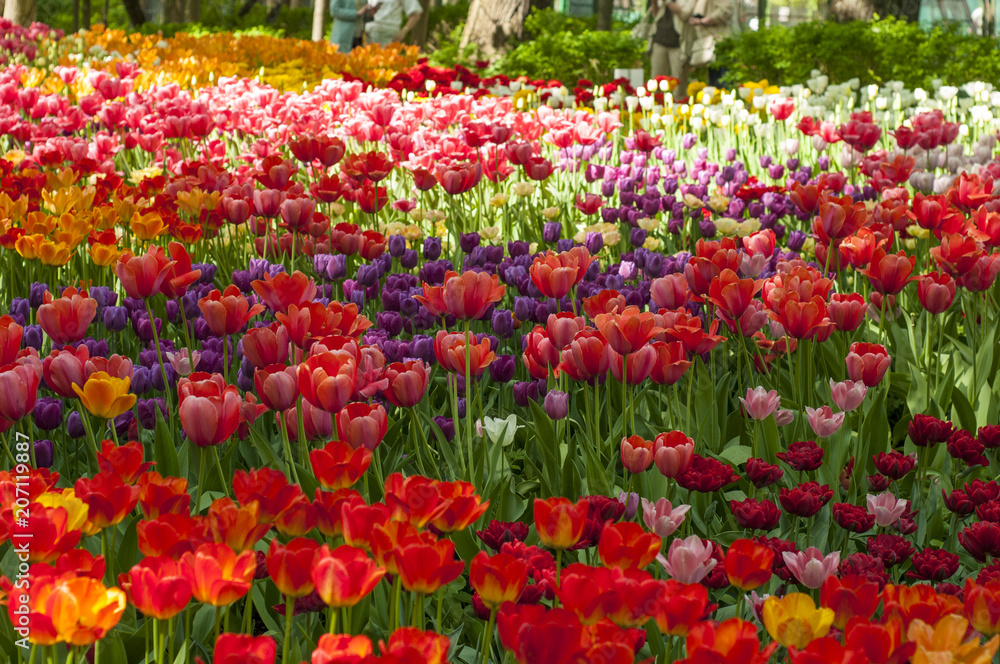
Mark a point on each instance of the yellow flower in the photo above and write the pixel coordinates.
(393, 228)
(794, 620)
(648, 224)
(523, 188)
(103, 254)
(498, 200)
(726, 226)
(490, 233)
(147, 226)
(943, 642)
(412, 232)
(77, 512)
(694, 87)
(53, 253)
(914, 230)
(651, 243)
(105, 396)
(27, 246)
(138, 175)
(550, 213)
(693, 201)
(15, 157)
(81, 610)
(611, 238)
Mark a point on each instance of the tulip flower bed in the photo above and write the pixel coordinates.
(337, 377)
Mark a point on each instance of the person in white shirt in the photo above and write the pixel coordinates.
(386, 18)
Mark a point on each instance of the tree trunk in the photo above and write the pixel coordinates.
(420, 30)
(136, 16)
(192, 12)
(173, 11)
(76, 16)
(21, 12)
(85, 14)
(605, 8)
(319, 17)
(492, 23)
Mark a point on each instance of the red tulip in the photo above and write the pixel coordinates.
(362, 425)
(65, 319)
(847, 311)
(283, 290)
(227, 312)
(18, 391)
(450, 349)
(64, 368)
(889, 273)
(466, 296)
(936, 291)
(143, 276)
(671, 362)
(587, 356)
(748, 564)
(266, 345)
(559, 522)
(424, 568)
(867, 362)
(626, 545)
(327, 380)
(344, 576)
(672, 453)
(158, 588)
(406, 382)
(277, 386)
(628, 331)
(338, 465)
(556, 274)
(179, 275)
(289, 566)
(217, 575)
(244, 649)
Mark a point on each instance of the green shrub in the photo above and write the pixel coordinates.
(565, 48)
(874, 52)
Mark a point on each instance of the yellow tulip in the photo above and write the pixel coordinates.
(794, 620)
(105, 396)
(104, 254)
(943, 642)
(81, 610)
(53, 253)
(77, 512)
(148, 226)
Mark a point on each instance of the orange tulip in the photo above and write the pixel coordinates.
(339, 465)
(158, 588)
(628, 331)
(748, 564)
(498, 579)
(227, 312)
(559, 522)
(237, 526)
(556, 274)
(289, 566)
(344, 576)
(283, 290)
(218, 576)
(450, 349)
(424, 568)
(327, 380)
(982, 606)
(142, 276)
(465, 296)
(81, 610)
(65, 319)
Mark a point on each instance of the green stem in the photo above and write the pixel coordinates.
(488, 637)
(289, 612)
(201, 480)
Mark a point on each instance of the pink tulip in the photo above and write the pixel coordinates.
(823, 421)
(886, 508)
(184, 362)
(848, 394)
(663, 518)
(689, 560)
(810, 567)
(760, 403)
(783, 417)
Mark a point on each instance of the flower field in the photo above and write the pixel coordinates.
(312, 357)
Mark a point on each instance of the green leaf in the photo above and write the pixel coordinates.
(736, 454)
(164, 449)
(963, 411)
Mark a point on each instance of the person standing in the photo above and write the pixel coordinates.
(710, 21)
(386, 18)
(345, 18)
(667, 43)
